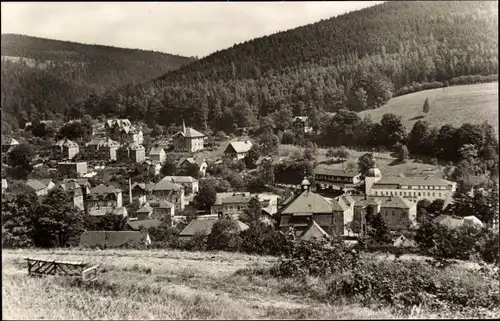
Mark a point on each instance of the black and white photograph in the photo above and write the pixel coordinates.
(248, 160)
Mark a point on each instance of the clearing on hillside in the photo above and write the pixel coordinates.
(451, 105)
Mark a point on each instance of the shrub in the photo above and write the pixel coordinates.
(405, 284)
(224, 236)
(197, 243)
(260, 238)
(315, 258)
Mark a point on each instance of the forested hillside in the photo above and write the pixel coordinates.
(358, 60)
(43, 77)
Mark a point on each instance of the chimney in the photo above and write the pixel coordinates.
(130, 189)
(183, 126)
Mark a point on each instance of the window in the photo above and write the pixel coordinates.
(433, 194)
(439, 194)
(375, 193)
(419, 194)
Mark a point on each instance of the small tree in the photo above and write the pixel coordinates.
(224, 235)
(169, 167)
(253, 212)
(426, 108)
(331, 154)
(342, 153)
(403, 153)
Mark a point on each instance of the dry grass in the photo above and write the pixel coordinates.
(385, 162)
(162, 285)
(453, 105)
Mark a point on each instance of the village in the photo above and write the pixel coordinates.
(336, 203)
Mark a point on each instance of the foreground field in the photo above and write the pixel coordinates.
(164, 285)
(452, 105)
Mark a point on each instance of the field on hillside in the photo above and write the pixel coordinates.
(160, 284)
(452, 105)
(385, 162)
(164, 284)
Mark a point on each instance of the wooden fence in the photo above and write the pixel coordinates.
(39, 267)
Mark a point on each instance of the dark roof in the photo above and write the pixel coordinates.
(415, 181)
(308, 202)
(112, 238)
(136, 225)
(199, 225)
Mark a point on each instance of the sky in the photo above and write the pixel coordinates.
(183, 28)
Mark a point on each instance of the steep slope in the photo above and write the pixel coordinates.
(358, 60)
(41, 77)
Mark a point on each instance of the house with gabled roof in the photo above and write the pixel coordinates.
(452, 221)
(189, 183)
(301, 123)
(104, 199)
(66, 149)
(49, 183)
(8, 144)
(198, 161)
(74, 191)
(314, 231)
(140, 191)
(304, 208)
(157, 155)
(103, 149)
(72, 169)
(237, 150)
(39, 187)
(188, 140)
(131, 151)
(162, 209)
(145, 212)
(399, 213)
(171, 192)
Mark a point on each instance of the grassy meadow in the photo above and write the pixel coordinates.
(452, 105)
(163, 284)
(385, 162)
(169, 284)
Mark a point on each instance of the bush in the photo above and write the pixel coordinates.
(315, 258)
(197, 243)
(224, 236)
(405, 284)
(262, 239)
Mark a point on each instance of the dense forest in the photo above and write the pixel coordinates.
(357, 61)
(53, 75)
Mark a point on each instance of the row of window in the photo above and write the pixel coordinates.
(333, 178)
(424, 187)
(415, 194)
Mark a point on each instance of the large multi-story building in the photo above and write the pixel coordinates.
(188, 140)
(413, 188)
